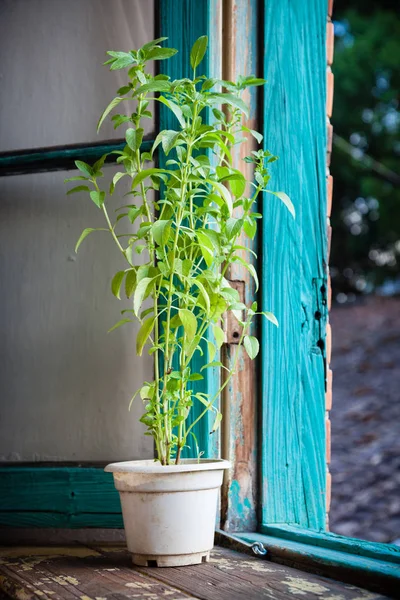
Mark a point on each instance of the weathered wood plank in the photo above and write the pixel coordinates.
(234, 576)
(105, 572)
(293, 266)
(65, 574)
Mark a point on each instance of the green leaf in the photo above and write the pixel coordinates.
(158, 230)
(159, 85)
(189, 322)
(140, 293)
(125, 89)
(144, 333)
(134, 138)
(204, 294)
(271, 317)
(195, 377)
(109, 108)
(233, 227)
(254, 133)
(206, 247)
(211, 350)
(175, 109)
(232, 100)
(217, 422)
(99, 163)
(250, 228)
(125, 61)
(115, 180)
(249, 267)
(84, 168)
(193, 346)
(214, 363)
(224, 193)
(79, 188)
(237, 185)
(77, 178)
(286, 201)
(248, 81)
(116, 283)
(198, 51)
(98, 198)
(153, 43)
(146, 173)
(208, 84)
(251, 345)
(168, 140)
(161, 53)
(121, 322)
(219, 335)
(84, 234)
(130, 282)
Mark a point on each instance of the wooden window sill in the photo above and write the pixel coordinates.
(105, 572)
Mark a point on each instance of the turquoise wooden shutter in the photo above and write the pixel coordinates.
(294, 273)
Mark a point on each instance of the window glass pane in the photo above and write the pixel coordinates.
(53, 85)
(65, 384)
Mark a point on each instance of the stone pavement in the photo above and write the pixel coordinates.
(365, 418)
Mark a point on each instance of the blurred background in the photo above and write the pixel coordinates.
(365, 270)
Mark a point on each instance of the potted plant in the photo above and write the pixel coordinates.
(189, 236)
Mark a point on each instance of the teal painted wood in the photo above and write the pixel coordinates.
(183, 21)
(333, 541)
(59, 496)
(293, 266)
(378, 572)
(57, 158)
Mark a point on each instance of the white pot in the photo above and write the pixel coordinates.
(169, 512)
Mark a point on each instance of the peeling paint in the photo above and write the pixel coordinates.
(300, 586)
(140, 585)
(257, 565)
(65, 580)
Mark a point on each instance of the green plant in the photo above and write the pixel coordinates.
(189, 234)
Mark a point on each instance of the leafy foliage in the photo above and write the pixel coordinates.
(189, 235)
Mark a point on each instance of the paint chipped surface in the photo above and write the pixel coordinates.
(259, 566)
(140, 585)
(302, 587)
(229, 575)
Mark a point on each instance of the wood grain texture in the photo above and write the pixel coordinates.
(59, 574)
(183, 21)
(67, 497)
(293, 266)
(67, 573)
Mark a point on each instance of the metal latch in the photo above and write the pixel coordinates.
(257, 547)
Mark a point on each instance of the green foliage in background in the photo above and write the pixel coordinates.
(366, 153)
(188, 236)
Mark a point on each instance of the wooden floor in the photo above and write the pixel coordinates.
(106, 573)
